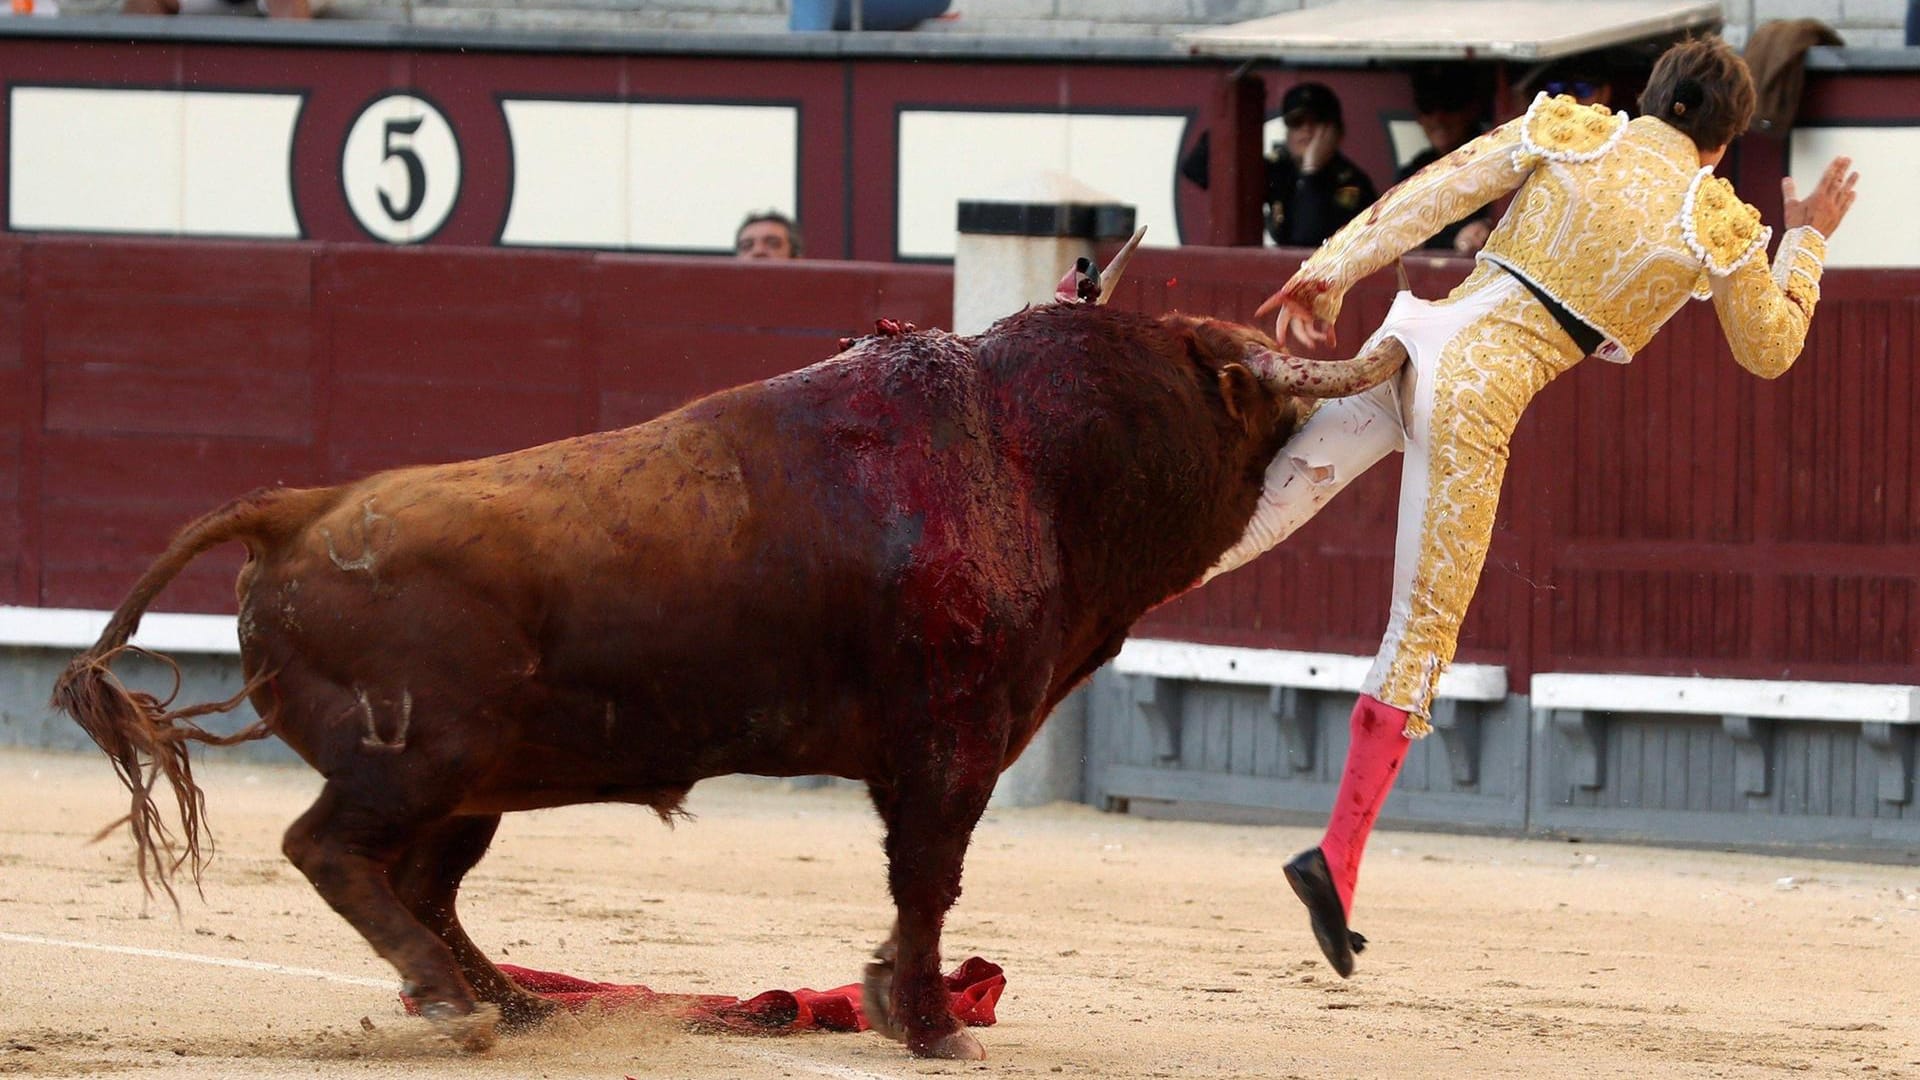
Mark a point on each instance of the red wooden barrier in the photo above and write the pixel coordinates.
(1674, 516)
(141, 384)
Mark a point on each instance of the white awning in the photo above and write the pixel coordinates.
(1521, 30)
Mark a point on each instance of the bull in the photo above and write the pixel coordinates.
(889, 566)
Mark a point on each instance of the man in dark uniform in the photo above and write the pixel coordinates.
(1312, 189)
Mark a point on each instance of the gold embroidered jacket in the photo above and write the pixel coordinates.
(1616, 220)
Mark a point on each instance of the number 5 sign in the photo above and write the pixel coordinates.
(400, 169)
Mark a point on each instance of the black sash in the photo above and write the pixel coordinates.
(1585, 337)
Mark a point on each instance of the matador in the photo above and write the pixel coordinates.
(1614, 226)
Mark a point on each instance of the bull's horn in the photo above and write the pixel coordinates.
(1110, 277)
(1287, 374)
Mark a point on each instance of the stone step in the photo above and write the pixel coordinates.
(996, 18)
(556, 18)
(1868, 23)
(649, 9)
(746, 16)
(961, 12)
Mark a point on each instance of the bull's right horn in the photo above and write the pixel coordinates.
(1288, 374)
(1110, 277)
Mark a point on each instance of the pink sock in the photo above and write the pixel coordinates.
(1374, 756)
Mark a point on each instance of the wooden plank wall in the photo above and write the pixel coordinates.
(144, 383)
(19, 427)
(1685, 764)
(1674, 516)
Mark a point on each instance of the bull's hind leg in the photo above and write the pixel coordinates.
(876, 990)
(344, 846)
(427, 877)
(930, 815)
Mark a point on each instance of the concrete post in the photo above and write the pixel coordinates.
(1011, 252)
(1053, 768)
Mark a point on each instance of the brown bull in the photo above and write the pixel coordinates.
(889, 566)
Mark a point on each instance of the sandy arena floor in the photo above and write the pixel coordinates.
(1133, 948)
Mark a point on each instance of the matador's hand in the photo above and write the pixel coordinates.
(1295, 303)
(1321, 148)
(1829, 202)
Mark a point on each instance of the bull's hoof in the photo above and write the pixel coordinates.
(876, 999)
(522, 1013)
(474, 1031)
(955, 1046)
(1312, 882)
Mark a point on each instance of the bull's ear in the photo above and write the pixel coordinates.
(1238, 391)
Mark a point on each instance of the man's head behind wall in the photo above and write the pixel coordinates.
(767, 234)
(1310, 103)
(1310, 109)
(1583, 78)
(1448, 103)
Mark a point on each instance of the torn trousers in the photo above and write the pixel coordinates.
(1474, 361)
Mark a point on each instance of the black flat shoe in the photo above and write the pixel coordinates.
(1313, 883)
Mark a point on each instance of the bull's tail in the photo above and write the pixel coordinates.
(144, 735)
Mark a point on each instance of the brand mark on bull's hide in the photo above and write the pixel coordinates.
(364, 535)
(370, 738)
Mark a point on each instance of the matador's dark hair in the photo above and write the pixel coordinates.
(1702, 87)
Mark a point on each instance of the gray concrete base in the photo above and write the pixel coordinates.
(1053, 768)
(1050, 770)
(26, 683)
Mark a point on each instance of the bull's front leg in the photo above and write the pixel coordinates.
(930, 814)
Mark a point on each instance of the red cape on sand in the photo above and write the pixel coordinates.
(975, 987)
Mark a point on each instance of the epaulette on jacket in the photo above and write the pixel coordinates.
(1561, 129)
(1722, 231)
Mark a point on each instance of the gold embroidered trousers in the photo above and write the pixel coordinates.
(1475, 359)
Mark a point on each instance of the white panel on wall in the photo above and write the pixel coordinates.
(641, 175)
(237, 172)
(1881, 229)
(1408, 141)
(698, 169)
(949, 156)
(94, 159)
(569, 173)
(187, 163)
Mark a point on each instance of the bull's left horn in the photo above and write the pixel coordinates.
(1110, 277)
(1289, 374)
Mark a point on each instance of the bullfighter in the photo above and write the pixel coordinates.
(1614, 226)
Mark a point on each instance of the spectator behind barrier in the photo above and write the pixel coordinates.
(767, 234)
(1312, 188)
(1451, 108)
(1583, 78)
